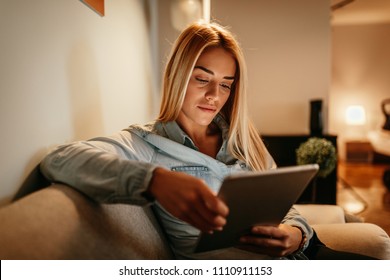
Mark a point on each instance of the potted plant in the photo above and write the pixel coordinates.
(320, 151)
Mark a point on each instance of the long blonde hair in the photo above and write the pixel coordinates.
(244, 141)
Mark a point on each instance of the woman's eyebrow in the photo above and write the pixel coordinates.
(212, 73)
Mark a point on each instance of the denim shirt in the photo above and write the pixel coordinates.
(119, 168)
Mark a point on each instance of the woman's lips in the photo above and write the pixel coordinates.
(208, 109)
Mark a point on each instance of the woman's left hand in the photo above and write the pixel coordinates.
(272, 241)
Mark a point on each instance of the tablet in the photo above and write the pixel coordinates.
(257, 198)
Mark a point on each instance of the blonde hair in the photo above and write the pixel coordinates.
(244, 141)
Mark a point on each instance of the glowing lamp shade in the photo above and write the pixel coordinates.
(355, 115)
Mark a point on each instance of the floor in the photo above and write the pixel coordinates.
(361, 191)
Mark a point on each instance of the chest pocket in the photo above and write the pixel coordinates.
(199, 171)
(195, 170)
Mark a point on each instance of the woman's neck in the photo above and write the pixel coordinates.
(208, 139)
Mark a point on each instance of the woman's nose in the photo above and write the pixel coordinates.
(212, 92)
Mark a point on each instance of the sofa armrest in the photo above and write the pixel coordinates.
(321, 213)
(362, 238)
(58, 222)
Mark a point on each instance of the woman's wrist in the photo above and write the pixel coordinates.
(149, 193)
(302, 243)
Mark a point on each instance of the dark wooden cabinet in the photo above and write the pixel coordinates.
(283, 149)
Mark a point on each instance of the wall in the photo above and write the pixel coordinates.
(360, 76)
(287, 47)
(67, 74)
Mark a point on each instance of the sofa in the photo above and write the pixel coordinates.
(58, 222)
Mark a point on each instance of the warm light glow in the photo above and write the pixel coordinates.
(184, 12)
(206, 10)
(354, 207)
(355, 115)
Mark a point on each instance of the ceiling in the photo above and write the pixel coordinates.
(361, 12)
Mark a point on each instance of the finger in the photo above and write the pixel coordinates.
(214, 204)
(271, 232)
(260, 245)
(203, 214)
(262, 241)
(194, 218)
(215, 221)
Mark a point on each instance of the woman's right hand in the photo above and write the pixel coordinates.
(189, 199)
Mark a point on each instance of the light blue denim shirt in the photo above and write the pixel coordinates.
(118, 169)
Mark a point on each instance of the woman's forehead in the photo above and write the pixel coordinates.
(217, 59)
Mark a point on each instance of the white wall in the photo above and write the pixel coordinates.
(67, 74)
(360, 76)
(287, 47)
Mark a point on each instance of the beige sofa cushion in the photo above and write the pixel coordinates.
(60, 223)
(321, 213)
(356, 238)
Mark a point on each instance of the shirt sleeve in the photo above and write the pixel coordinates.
(293, 218)
(113, 169)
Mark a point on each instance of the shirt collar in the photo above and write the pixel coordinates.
(173, 131)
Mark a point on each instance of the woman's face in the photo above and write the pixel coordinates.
(208, 88)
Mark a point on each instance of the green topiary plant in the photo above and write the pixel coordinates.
(320, 151)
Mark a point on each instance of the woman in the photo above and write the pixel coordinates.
(178, 162)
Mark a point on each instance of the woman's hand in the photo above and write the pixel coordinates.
(272, 241)
(189, 199)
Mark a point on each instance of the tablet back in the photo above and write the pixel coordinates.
(257, 198)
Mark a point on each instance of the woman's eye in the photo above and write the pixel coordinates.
(203, 81)
(226, 86)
